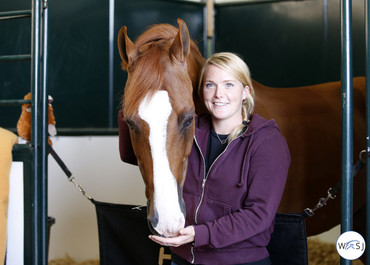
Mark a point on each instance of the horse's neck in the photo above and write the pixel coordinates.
(195, 63)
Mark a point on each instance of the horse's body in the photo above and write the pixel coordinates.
(309, 118)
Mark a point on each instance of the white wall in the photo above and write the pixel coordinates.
(95, 164)
(15, 242)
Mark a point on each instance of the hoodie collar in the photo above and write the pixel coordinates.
(202, 131)
(257, 122)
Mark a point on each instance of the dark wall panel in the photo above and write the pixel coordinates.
(78, 59)
(286, 44)
(78, 62)
(78, 70)
(290, 43)
(15, 38)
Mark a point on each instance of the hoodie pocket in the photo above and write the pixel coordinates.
(211, 210)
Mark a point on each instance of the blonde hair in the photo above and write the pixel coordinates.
(234, 65)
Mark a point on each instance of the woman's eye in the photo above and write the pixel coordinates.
(229, 85)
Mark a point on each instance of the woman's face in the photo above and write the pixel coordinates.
(223, 95)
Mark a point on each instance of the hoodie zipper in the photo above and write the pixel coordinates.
(203, 185)
(206, 175)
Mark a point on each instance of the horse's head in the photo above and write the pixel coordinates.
(159, 110)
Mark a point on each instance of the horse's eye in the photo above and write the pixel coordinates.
(186, 120)
(130, 124)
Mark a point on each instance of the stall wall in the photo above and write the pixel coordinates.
(79, 43)
(95, 164)
(291, 43)
(285, 43)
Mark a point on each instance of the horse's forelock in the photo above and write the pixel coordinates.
(156, 32)
(146, 78)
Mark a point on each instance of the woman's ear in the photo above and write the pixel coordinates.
(246, 91)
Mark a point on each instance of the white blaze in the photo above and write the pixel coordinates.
(156, 112)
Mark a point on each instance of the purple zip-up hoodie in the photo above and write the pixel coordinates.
(232, 208)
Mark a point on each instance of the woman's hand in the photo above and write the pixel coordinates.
(186, 235)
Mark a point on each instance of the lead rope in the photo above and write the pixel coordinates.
(333, 192)
(68, 173)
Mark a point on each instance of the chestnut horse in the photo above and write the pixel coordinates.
(163, 68)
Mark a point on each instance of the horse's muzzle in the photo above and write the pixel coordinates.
(168, 223)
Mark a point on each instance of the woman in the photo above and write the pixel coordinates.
(243, 160)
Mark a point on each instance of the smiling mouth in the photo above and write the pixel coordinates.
(220, 104)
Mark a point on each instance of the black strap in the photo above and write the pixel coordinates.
(68, 173)
(355, 170)
(59, 161)
(333, 192)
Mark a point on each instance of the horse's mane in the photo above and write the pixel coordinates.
(146, 72)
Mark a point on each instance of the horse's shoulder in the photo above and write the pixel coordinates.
(359, 84)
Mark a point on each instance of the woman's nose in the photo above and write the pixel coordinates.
(219, 92)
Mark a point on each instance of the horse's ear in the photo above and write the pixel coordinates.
(126, 48)
(181, 44)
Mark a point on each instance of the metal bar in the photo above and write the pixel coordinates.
(34, 255)
(111, 63)
(45, 116)
(14, 102)
(325, 50)
(15, 58)
(38, 141)
(367, 68)
(347, 121)
(87, 131)
(21, 148)
(205, 39)
(15, 14)
(210, 27)
(230, 2)
(80, 131)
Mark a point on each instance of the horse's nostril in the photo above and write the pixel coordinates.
(154, 221)
(151, 226)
